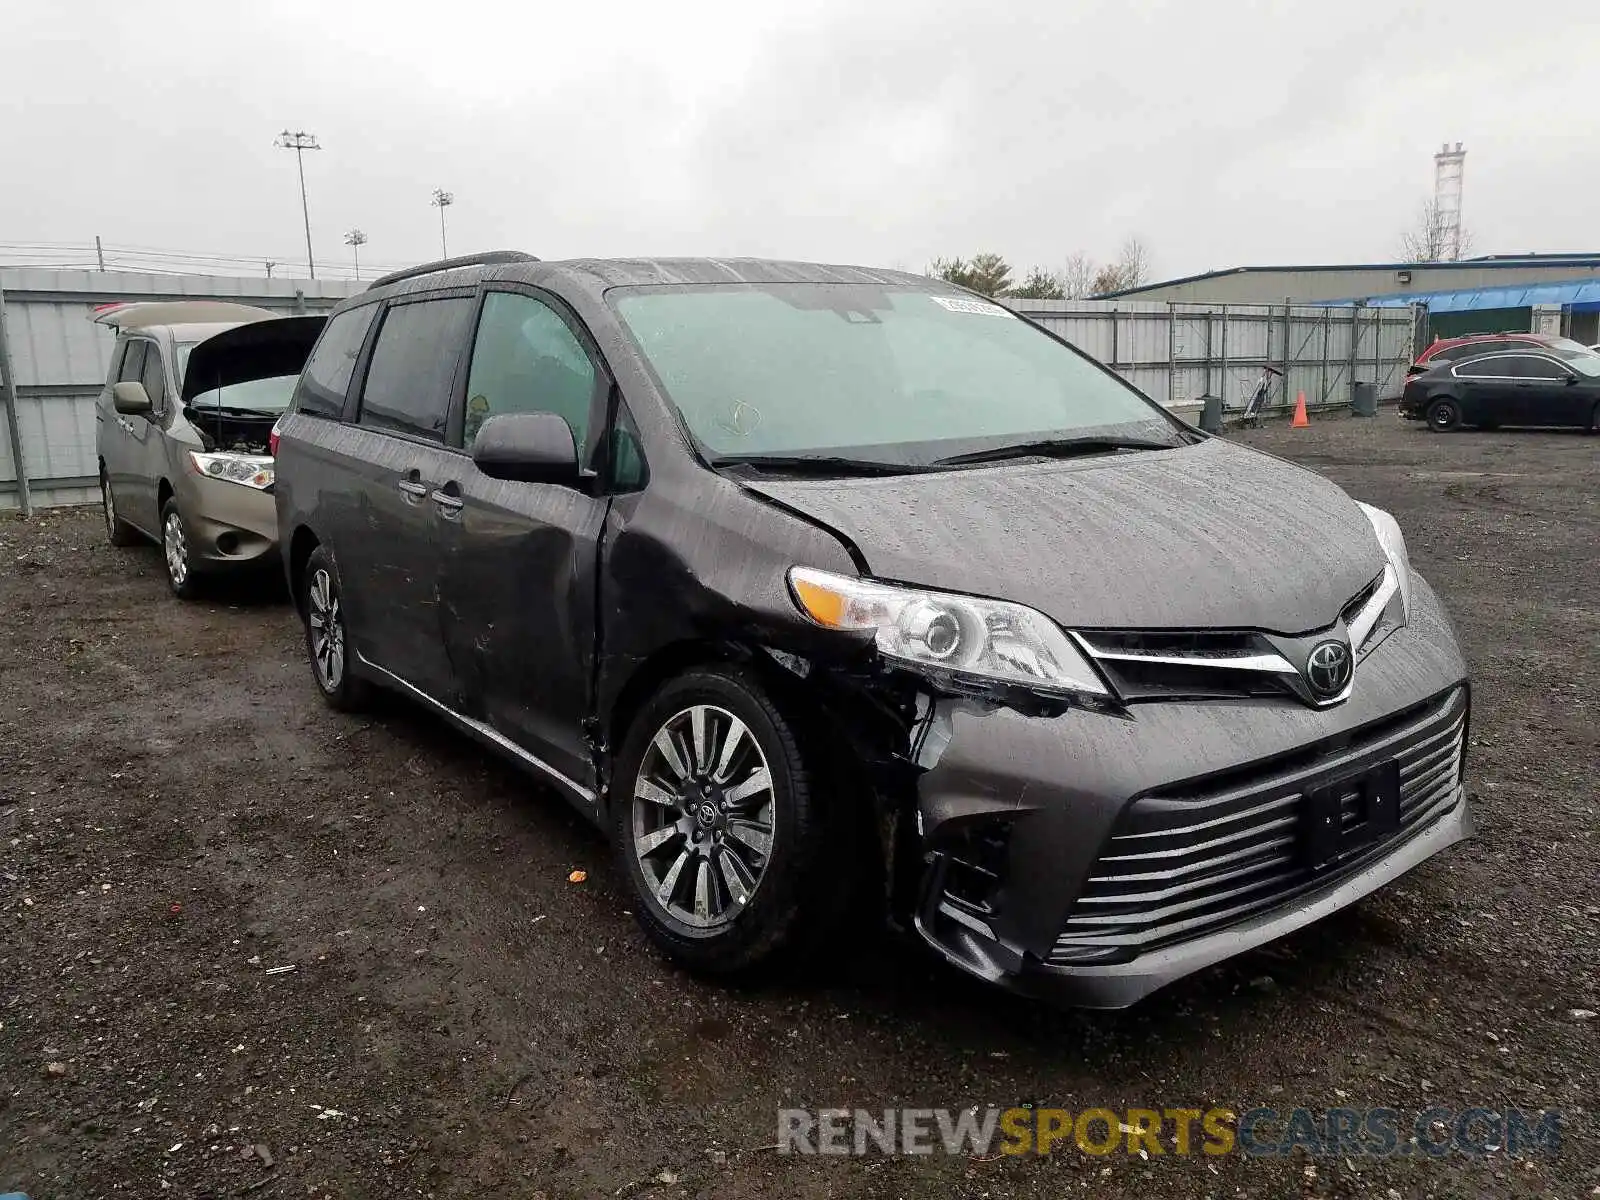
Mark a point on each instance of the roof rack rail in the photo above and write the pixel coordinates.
(487, 259)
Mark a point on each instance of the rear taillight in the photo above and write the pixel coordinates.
(272, 440)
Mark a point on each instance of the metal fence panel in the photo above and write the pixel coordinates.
(60, 359)
(1177, 353)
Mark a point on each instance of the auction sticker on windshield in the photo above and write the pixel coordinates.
(961, 304)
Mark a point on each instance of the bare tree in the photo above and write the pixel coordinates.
(1133, 264)
(1428, 241)
(1076, 276)
(1130, 270)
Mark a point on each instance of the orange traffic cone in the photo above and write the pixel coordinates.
(1299, 421)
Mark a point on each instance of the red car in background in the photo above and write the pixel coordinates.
(1474, 344)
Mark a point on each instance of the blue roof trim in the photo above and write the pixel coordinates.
(1581, 295)
(1490, 262)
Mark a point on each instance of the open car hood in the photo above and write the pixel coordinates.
(259, 350)
(1208, 536)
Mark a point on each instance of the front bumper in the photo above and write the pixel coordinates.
(230, 525)
(1124, 860)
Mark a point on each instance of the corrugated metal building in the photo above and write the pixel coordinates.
(1572, 309)
(60, 359)
(1311, 284)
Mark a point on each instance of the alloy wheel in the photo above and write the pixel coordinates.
(176, 544)
(327, 630)
(702, 816)
(109, 505)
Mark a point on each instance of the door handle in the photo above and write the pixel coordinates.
(411, 486)
(447, 500)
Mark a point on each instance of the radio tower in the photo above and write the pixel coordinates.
(1448, 166)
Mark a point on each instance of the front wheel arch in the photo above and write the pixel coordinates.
(301, 545)
(800, 898)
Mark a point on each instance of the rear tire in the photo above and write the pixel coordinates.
(327, 645)
(1444, 414)
(726, 833)
(118, 531)
(1594, 421)
(182, 577)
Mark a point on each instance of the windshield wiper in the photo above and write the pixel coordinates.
(224, 408)
(1054, 448)
(815, 464)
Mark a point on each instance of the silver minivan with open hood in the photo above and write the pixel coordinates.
(183, 430)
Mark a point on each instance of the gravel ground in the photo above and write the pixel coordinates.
(181, 819)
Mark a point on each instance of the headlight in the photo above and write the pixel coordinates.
(1394, 549)
(252, 470)
(950, 637)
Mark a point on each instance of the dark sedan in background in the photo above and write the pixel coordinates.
(1525, 387)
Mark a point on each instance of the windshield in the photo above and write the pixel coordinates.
(1584, 364)
(895, 376)
(269, 395)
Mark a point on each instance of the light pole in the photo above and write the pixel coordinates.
(300, 141)
(443, 200)
(355, 239)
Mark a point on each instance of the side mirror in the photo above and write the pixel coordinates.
(527, 448)
(129, 398)
(1571, 378)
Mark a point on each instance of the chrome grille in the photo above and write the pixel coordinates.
(1186, 862)
(1170, 665)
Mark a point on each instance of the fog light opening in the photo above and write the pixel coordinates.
(228, 543)
(975, 867)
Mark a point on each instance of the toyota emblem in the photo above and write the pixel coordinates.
(1328, 669)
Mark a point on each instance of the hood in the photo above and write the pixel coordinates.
(1208, 536)
(259, 350)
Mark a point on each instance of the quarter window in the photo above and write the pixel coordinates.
(407, 389)
(526, 359)
(333, 362)
(155, 378)
(131, 369)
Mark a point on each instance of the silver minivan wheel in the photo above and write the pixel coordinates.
(176, 544)
(179, 553)
(703, 826)
(118, 531)
(326, 627)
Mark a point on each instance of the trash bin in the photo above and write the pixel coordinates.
(1211, 414)
(1365, 400)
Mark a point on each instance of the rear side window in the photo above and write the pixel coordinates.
(407, 389)
(327, 372)
(1470, 350)
(525, 359)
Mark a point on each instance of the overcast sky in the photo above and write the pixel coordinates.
(871, 131)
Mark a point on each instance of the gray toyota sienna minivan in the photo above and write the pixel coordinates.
(824, 589)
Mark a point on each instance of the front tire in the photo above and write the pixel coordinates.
(1594, 421)
(327, 645)
(721, 826)
(118, 531)
(1444, 414)
(177, 550)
